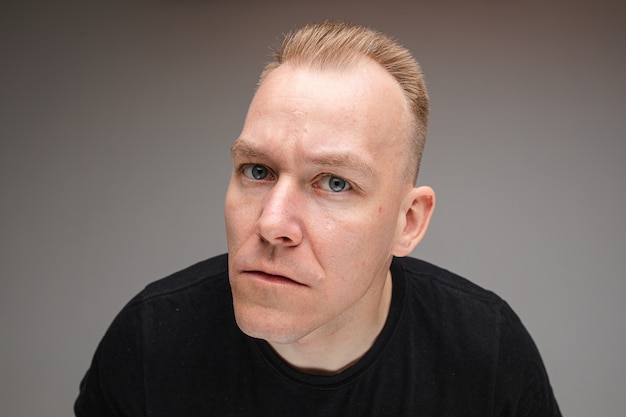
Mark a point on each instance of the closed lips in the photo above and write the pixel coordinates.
(274, 277)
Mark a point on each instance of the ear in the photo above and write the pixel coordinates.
(413, 219)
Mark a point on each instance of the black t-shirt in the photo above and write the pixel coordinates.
(448, 348)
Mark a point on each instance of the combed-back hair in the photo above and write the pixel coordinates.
(340, 44)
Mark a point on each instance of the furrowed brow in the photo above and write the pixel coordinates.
(343, 161)
(241, 149)
(244, 150)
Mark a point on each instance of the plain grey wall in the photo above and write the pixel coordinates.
(116, 119)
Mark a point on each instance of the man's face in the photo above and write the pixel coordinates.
(315, 200)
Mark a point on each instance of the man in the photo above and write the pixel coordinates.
(315, 311)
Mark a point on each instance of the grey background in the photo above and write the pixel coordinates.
(116, 118)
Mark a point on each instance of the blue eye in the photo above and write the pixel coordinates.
(335, 184)
(257, 172)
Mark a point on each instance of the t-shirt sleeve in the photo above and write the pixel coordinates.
(113, 385)
(522, 385)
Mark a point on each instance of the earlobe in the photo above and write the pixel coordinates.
(413, 220)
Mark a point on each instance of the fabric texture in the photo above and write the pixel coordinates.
(448, 348)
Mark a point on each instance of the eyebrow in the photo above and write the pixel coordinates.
(342, 161)
(243, 149)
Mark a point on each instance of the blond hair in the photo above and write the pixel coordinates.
(336, 44)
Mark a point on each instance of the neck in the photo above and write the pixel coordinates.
(335, 349)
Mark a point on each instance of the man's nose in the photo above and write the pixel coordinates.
(280, 220)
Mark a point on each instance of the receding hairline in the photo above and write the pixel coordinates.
(341, 45)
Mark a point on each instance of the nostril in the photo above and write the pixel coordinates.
(279, 233)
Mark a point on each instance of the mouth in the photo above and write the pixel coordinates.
(273, 278)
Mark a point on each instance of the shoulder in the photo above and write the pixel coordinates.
(153, 332)
(477, 331)
(211, 272)
(466, 318)
(429, 277)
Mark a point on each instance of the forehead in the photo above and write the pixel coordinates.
(363, 79)
(360, 100)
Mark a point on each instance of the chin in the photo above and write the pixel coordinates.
(270, 326)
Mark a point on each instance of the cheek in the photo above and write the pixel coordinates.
(362, 239)
(342, 241)
(230, 215)
(237, 218)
